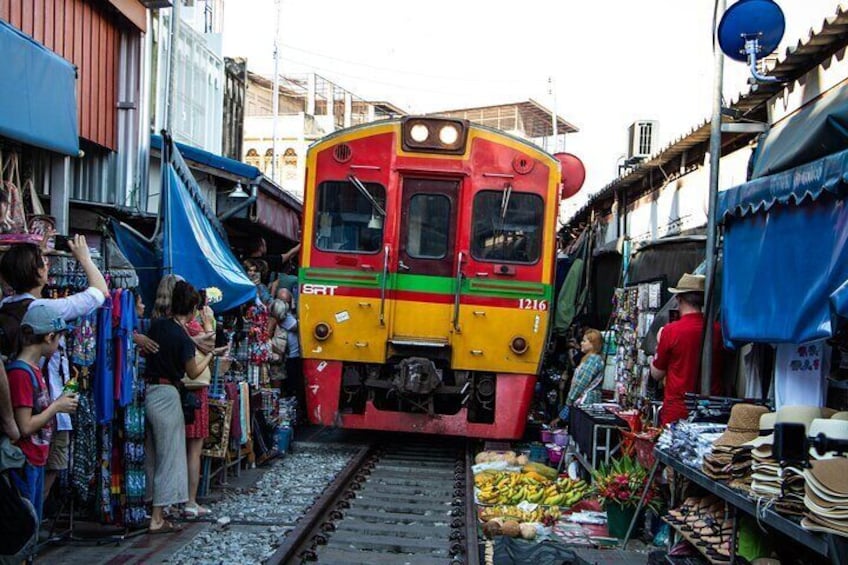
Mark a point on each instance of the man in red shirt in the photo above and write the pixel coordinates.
(678, 356)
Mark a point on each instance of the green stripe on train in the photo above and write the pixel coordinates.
(425, 283)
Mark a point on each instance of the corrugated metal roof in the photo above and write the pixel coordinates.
(796, 61)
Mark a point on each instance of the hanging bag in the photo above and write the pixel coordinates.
(38, 222)
(12, 217)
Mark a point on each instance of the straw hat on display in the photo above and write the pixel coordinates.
(786, 415)
(766, 433)
(840, 416)
(744, 425)
(832, 429)
(826, 496)
(689, 283)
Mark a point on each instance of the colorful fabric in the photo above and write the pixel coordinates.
(199, 429)
(84, 335)
(104, 379)
(28, 390)
(84, 448)
(586, 384)
(127, 348)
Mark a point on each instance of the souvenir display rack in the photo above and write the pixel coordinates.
(635, 309)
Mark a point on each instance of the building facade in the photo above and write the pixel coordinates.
(310, 107)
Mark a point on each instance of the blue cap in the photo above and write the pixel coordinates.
(43, 319)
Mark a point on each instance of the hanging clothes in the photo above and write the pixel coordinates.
(126, 327)
(104, 381)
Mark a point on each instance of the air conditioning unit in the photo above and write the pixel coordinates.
(643, 137)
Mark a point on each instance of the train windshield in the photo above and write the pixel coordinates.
(347, 219)
(507, 229)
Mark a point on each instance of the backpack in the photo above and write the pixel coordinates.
(11, 315)
(18, 522)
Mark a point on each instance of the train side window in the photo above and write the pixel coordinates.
(428, 226)
(346, 219)
(507, 230)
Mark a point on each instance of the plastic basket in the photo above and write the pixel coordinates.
(561, 438)
(554, 455)
(538, 453)
(547, 436)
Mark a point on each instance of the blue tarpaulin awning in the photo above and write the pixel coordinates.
(786, 253)
(38, 103)
(194, 249)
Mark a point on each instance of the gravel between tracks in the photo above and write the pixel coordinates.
(260, 517)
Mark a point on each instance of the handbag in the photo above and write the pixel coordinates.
(189, 403)
(38, 222)
(12, 217)
(203, 380)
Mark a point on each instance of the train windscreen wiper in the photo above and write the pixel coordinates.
(361, 188)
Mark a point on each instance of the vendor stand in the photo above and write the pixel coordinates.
(595, 434)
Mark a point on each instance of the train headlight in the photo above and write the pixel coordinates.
(322, 331)
(448, 134)
(519, 345)
(419, 133)
(426, 134)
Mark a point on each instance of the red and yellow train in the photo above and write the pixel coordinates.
(426, 278)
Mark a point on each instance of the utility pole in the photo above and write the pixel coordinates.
(172, 66)
(711, 254)
(276, 90)
(552, 92)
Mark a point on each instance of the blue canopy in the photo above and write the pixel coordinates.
(786, 253)
(195, 250)
(38, 104)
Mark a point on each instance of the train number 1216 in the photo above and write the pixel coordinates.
(532, 304)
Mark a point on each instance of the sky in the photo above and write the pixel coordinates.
(611, 62)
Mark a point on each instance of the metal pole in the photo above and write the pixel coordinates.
(173, 41)
(276, 94)
(715, 156)
(552, 89)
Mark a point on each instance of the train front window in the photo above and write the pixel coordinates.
(428, 226)
(347, 220)
(507, 229)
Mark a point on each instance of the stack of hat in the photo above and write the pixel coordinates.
(826, 496)
(729, 457)
(785, 487)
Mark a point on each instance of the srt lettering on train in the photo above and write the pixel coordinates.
(325, 289)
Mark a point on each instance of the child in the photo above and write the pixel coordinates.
(41, 328)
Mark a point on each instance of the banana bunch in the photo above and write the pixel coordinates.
(542, 515)
(497, 487)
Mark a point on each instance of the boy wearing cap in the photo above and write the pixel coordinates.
(40, 331)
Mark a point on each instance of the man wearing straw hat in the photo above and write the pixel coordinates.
(678, 356)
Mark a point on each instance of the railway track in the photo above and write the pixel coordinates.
(396, 504)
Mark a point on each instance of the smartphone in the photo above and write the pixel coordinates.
(60, 243)
(673, 315)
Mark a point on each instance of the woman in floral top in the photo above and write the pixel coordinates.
(586, 384)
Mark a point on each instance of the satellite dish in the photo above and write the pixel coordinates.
(751, 29)
(573, 174)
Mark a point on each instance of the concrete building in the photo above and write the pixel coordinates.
(310, 107)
